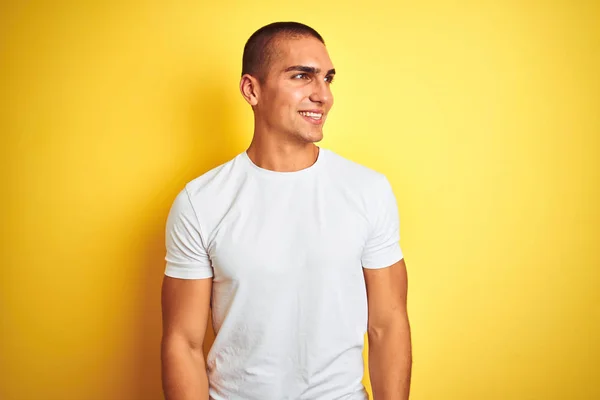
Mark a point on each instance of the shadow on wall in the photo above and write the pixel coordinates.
(211, 136)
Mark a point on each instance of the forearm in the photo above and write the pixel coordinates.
(390, 361)
(183, 371)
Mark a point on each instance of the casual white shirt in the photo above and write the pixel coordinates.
(286, 252)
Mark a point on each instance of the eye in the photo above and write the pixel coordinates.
(329, 78)
(300, 76)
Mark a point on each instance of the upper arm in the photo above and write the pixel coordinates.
(386, 294)
(187, 284)
(383, 260)
(185, 306)
(382, 247)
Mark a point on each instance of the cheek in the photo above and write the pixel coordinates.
(297, 96)
(292, 102)
(289, 100)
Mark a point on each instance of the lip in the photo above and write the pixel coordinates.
(311, 120)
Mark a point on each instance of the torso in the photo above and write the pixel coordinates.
(289, 302)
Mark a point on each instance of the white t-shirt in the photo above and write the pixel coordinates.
(285, 251)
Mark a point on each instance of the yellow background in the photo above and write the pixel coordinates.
(484, 115)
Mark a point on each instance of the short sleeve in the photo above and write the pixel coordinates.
(186, 255)
(382, 248)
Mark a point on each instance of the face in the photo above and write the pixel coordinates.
(295, 96)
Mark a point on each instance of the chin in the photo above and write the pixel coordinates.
(312, 136)
(307, 135)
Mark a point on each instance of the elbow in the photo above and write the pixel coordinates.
(393, 326)
(173, 344)
(378, 333)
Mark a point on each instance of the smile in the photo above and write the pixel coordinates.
(312, 115)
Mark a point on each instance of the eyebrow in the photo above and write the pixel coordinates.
(308, 70)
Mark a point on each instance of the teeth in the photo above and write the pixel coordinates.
(311, 114)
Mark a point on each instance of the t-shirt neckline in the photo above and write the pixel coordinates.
(283, 175)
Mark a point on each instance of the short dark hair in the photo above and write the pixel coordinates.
(260, 47)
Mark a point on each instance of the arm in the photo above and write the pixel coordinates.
(185, 305)
(186, 295)
(390, 355)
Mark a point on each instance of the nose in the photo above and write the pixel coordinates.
(321, 92)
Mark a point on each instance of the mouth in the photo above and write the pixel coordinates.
(314, 117)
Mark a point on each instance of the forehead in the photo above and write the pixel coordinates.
(306, 51)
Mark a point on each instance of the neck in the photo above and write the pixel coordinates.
(282, 156)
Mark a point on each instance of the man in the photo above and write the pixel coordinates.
(294, 248)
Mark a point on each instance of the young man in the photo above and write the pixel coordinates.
(294, 248)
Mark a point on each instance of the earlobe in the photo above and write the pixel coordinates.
(249, 89)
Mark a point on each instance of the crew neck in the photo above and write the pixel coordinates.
(282, 175)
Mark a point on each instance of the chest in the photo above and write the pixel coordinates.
(289, 233)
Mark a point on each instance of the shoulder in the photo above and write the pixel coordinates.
(354, 174)
(202, 197)
(212, 183)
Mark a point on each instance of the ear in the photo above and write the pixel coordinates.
(250, 89)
